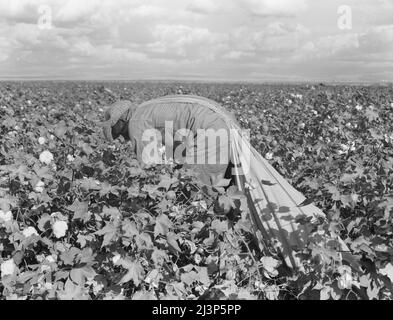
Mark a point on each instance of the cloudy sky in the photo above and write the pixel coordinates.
(263, 40)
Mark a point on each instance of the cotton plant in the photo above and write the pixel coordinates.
(8, 268)
(5, 216)
(30, 231)
(41, 140)
(60, 228)
(269, 156)
(46, 157)
(39, 187)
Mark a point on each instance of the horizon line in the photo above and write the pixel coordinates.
(192, 80)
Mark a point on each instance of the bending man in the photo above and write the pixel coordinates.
(194, 131)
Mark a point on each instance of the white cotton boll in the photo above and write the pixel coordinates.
(344, 149)
(30, 231)
(359, 107)
(58, 216)
(41, 140)
(344, 146)
(5, 216)
(269, 156)
(39, 187)
(40, 258)
(8, 268)
(48, 286)
(45, 268)
(197, 258)
(50, 259)
(60, 228)
(345, 281)
(116, 259)
(70, 158)
(46, 157)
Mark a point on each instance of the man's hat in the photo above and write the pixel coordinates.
(113, 114)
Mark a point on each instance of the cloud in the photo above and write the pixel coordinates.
(276, 39)
(149, 11)
(75, 10)
(24, 11)
(378, 39)
(369, 45)
(237, 55)
(275, 7)
(204, 6)
(187, 42)
(206, 38)
(6, 48)
(329, 46)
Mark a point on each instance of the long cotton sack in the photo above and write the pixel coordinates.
(275, 206)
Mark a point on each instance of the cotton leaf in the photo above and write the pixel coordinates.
(270, 265)
(80, 209)
(89, 184)
(72, 292)
(109, 232)
(219, 226)
(171, 239)
(325, 293)
(272, 292)
(60, 129)
(371, 115)
(159, 257)
(106, 188)
(135, 272)
(111, 212)
(163, 224)
(166, 182)
(387, 271)
(144, 295)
